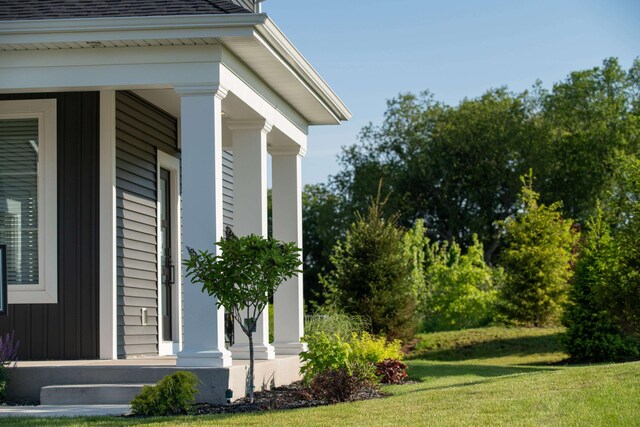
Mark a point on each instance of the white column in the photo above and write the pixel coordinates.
(108, 287)
(249, 140)
(201, 134)
(287, 226)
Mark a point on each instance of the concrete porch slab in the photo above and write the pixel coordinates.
(63, 411)
(28, 378)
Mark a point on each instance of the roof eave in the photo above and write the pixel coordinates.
(32, 32)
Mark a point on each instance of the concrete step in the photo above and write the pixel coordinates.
(89, 394)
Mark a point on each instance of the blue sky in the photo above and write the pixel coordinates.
(370, 51)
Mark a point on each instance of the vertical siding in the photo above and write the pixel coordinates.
(141, 129)
(68, 329)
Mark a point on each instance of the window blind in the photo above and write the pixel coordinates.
(19, 199)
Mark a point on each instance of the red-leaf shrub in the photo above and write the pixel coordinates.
(391, 371)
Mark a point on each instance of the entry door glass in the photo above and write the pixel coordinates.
(167, 267)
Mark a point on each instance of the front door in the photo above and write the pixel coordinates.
(166, 263)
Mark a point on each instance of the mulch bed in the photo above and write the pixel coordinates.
(292, 396)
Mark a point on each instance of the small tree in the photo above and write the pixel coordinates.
(537, 260)
(593, 332)
(373, 275)
(244, 277)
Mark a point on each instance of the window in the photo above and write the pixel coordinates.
(28, 197)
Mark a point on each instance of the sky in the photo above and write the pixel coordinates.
(370, 51)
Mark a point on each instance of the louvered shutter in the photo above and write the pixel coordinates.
(19, 198)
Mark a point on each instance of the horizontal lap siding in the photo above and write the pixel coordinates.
(68, 329)
(141, 129)
(227, 188)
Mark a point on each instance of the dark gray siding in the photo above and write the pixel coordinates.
(68, 329)
(141, 129)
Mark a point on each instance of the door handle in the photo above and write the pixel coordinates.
(172, 278)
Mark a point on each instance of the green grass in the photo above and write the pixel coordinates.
(492, 376)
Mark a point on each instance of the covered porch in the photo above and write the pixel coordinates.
(187, 111)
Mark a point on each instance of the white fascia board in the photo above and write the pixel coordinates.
(277, 39)
(250, 25)
(128, 28)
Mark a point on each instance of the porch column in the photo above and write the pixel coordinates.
(201, 134)
(287, 226)
(249, 139)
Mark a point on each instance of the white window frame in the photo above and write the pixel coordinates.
(172, 164)
(46, 291)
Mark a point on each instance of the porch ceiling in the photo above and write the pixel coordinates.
(252, 38)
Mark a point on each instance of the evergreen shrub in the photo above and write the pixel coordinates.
(173, 395)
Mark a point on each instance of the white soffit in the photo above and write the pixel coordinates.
(253, 38)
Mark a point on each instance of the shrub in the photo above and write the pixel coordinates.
(621, 296)
(461, 291)
(592, 333)
(8, 357)
(339, 385)
(537, 260)
(391, 371)
(325, 352)
(373, 277)
(331, 358)
(373, 349)
(172, 395)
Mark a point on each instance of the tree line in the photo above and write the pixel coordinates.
(458, 168)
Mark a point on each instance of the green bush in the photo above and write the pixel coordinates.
(622, 295)
(373, 277)
(325, 352)
(592, 333)
(602, 317)
(460, 289)
(171, 396)
(337, 369)
(367, 348)
(537, 260)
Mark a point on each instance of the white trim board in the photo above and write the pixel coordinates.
(46, 291)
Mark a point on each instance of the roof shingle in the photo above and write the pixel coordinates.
(14, 10)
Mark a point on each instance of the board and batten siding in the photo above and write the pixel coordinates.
(141, 129)
(68, 329)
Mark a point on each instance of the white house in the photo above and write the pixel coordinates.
(128, 130)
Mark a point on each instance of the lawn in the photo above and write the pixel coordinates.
(491, 376)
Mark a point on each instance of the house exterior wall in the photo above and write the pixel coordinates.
(68, 329)
(227, 188)
(141, 129)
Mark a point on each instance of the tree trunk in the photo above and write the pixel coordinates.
(251, 387)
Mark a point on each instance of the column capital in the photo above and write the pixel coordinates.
(287, 150)
(199, 90)
(259, 125)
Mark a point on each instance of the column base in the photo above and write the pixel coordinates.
(290, 348)
(260, 351)
(204, 359)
